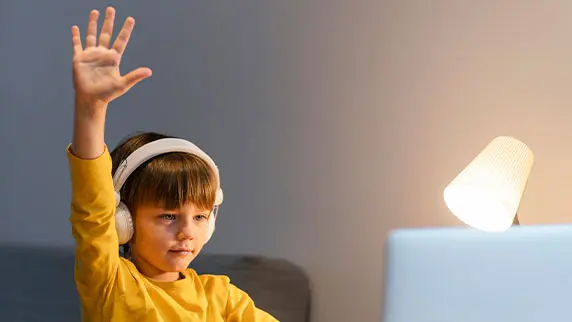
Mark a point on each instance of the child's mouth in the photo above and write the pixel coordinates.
(180, 252)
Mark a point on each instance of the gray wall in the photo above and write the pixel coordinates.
(332, 121)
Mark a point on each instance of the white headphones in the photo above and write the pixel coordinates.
(123, 220)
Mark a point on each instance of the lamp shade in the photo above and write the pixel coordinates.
(487, 193)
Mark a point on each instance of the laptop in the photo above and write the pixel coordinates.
(460, 274)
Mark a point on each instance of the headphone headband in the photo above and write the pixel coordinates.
(158, 147)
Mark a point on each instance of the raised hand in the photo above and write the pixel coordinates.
(96, 74)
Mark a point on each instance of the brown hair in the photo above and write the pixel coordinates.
(168, 181)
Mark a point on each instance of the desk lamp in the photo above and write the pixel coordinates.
(487, 192)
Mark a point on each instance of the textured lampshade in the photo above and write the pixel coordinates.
(487, 193)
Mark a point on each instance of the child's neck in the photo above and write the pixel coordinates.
(165, 277)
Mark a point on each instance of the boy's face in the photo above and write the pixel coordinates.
(167, 240)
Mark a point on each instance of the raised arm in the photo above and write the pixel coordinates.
(97, 81)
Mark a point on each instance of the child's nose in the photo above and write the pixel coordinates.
(187, 231)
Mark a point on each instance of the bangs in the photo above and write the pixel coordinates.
(171, 181)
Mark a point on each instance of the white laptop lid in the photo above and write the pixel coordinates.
(465, 275)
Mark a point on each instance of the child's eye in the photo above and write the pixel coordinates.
(167, 216)
(201, 217)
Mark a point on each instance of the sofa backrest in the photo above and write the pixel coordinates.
(277, 286)
(39, 286)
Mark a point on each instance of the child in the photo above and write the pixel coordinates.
(160, 204)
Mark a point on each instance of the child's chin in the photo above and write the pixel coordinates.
(179, 266)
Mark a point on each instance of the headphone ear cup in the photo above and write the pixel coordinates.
(212, 218)
(211, 226)
(123, 223)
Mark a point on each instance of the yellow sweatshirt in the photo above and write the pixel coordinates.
(112, 289)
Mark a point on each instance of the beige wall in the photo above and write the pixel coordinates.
(401, 95)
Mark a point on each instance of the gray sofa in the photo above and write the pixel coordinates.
(38, 283)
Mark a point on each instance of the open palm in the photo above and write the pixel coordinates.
(96, 72)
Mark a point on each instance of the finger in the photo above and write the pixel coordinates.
(91, 34)
(76, 40)
(124, 35)
(107, 29)
(136, 76)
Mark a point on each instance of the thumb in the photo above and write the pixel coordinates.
(135, 76)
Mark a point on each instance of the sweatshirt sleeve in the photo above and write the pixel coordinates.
(241, 307)
(93, 226)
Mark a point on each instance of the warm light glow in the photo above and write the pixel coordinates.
(487, 193)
